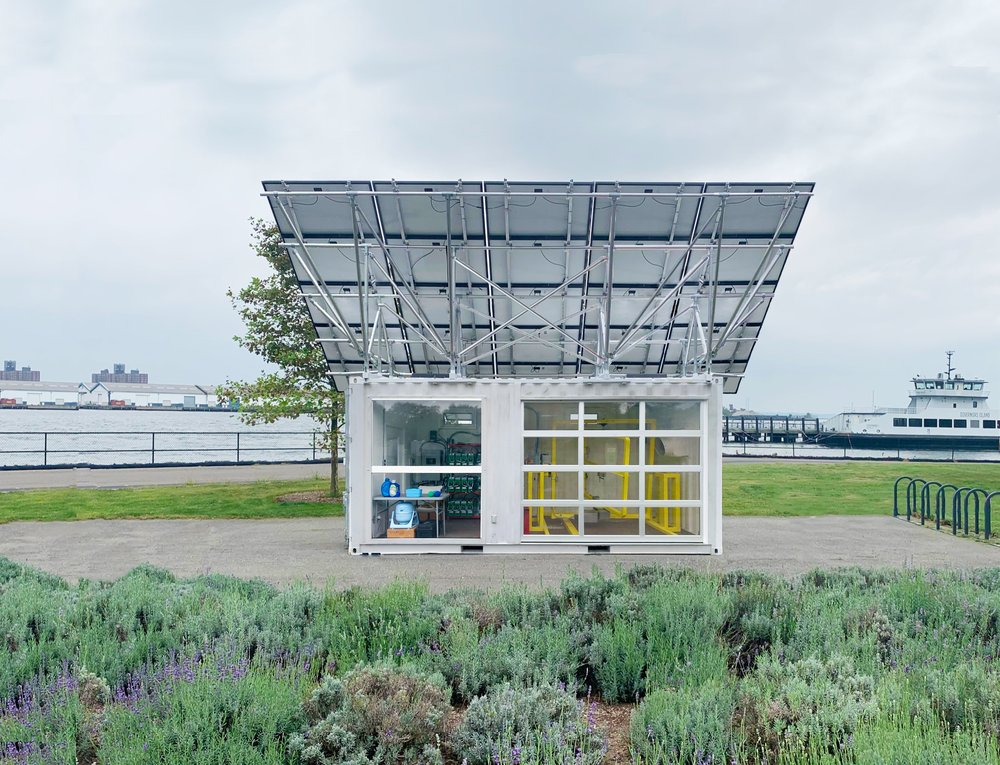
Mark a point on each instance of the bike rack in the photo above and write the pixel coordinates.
(986, 512)
(939, 502)
(918, 500)
(895, 497)
(925, 500)
(911, 496)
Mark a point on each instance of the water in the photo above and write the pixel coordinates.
(30, 437)
(817, 451)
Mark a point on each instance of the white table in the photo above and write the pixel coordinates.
(432, 504)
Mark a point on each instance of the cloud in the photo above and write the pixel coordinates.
(135, 137)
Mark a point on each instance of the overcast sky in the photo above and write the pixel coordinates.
(134, 136)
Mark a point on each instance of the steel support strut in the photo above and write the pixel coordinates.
(603, 368)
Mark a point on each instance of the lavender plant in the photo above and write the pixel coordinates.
(377, 715)
(543, 725)
(687, 726)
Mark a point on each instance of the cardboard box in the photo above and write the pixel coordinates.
(401, 533)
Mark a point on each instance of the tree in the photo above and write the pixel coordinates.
(279, 330)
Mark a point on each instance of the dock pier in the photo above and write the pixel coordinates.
(773, 428)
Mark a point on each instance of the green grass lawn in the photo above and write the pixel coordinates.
(835, 488)
(230, 500)
(764, 488)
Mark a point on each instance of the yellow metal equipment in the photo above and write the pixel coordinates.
(541, 484)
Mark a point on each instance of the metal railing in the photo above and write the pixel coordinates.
(918, 504)
(33, 449)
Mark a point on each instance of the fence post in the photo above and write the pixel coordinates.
(314, 446)
(152, 449)
(45, 449)
(237, 447)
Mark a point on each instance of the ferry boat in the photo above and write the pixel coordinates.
(945, 412)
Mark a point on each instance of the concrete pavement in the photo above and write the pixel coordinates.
(283, 551)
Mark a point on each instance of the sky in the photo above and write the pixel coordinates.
(134, 136)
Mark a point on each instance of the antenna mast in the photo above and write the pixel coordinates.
(950, 367)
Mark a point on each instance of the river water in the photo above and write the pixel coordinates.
(33, 437)
(815, 451)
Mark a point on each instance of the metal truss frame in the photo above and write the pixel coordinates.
(392, 306)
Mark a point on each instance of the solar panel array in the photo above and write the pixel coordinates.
(538, 279)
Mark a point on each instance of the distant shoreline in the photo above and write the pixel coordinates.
(130, 408)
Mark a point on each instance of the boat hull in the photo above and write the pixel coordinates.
(893, 441)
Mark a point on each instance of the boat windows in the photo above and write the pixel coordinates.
(977, 386)
(973, 423)
(899, 422)
(930, 423)
(967, 386)
(990, 424)
(975, 404)
(944, 423)
(961, 424)
(939, 384)
(914, 422)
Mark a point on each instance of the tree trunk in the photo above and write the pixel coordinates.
(334, 445)
(334, 467)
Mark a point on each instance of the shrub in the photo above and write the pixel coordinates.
(202, 718)
(524, 726)
(618, 657)
(597, 599)
(688, 725)
(807, 705)
(377, 714)
(521, 656)
(683, 622)
(760, 613)
(965, 697)
(890, 741)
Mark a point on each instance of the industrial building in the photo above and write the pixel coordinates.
(113, 395)
(119, 376)
(153, 396)
(40, 393)
(536, 366)
(25, 374)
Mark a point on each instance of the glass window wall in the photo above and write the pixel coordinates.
(639, 476)
(426, 470)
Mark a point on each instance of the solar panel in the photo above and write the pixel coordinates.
(538, 279)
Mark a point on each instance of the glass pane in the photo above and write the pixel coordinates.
(673, 415)
(546, 450)
(610, 486)
(666, 485)
(673, 451)
(673, 521)
(604, 521)
(438, 512)
(551, 415)
(610, 451)
(545, 521)
(412, 433)
(611, 415)
(545, 484)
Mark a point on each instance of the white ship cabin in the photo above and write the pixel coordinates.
(955, 404)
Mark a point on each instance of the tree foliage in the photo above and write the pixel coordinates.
(278, 330)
